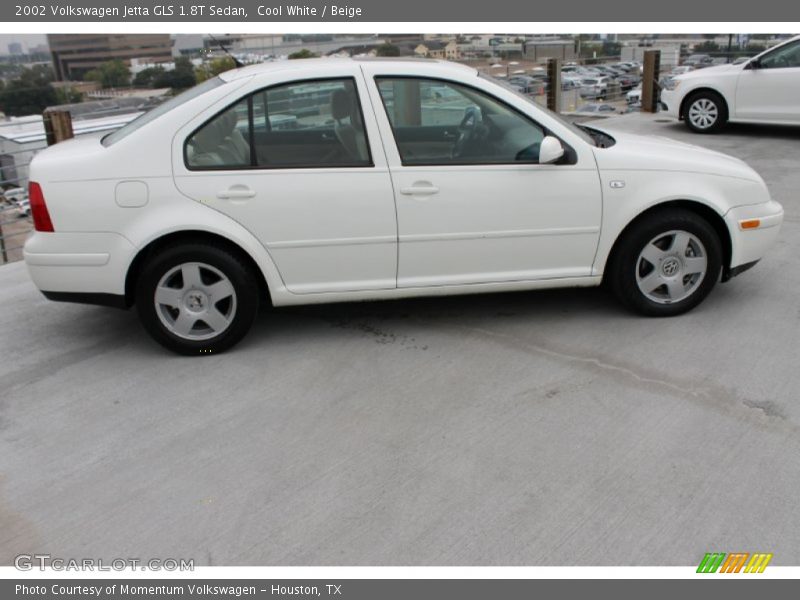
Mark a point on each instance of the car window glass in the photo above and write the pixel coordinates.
(161, 109)
(301, 124)
(223, 141)
(785, 57)
(439, 122)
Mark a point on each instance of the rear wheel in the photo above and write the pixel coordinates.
(197, 299)
(705, 112)
(666, 263)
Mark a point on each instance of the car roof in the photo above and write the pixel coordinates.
(308, 64)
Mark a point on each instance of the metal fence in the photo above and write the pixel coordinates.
(590, 86)
(15, 215)
(20, 140)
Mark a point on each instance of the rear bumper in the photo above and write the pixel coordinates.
(79, 264)
(749, 244)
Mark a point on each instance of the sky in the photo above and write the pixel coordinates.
(27, 40)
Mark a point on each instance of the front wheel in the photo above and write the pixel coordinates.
(705, 112)
(666, 263)
(197, 299)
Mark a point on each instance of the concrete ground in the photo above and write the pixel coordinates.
(548, 428)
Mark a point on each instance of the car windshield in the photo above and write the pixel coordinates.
(584, 135)
(161, 109)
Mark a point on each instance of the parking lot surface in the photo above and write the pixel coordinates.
(542, 428)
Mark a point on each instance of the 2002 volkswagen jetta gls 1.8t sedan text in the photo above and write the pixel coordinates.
(314, 181)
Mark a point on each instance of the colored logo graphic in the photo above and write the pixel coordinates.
(735, 562)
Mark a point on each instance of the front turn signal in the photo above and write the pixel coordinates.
(750, 224)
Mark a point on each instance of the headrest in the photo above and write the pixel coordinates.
(341, 104)
(228, 121)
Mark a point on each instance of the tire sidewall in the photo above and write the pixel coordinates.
(240, 276)
(626, 259)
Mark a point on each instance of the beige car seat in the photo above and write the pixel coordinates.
(348, 128)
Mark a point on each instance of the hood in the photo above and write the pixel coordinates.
(704, 73)
(655, 153)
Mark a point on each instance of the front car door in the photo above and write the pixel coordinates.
(473, 204)
(769, 89)
(299, 164)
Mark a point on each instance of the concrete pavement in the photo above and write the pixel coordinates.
(547, 428)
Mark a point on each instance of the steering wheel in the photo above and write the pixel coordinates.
(469, 130)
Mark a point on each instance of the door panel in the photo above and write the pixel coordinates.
(473, 204)
(425, 142)
(769, 95)
(496, 223)
(289, 148)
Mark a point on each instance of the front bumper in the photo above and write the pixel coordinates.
(754, 229)
(78, 263)
(671, 103)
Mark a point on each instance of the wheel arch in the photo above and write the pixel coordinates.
(705, 88)
(189, 236)
(704, 211)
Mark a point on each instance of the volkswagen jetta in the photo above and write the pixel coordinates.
(316, 181)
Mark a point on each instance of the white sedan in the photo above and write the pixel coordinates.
(764, 89)
(386, 179)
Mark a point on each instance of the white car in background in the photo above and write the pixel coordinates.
(595, 87)
(18, 198)
(634, 97)
(396, 179)
(764, 89)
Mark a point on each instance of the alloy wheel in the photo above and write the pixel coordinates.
(671, 267)
(195, 301)
(703, 113)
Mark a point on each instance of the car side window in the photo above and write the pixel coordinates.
(437, 122)
(300, 124)
(786, 57)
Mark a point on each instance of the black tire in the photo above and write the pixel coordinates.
(705, 98)
(627, 264)
(241, 306)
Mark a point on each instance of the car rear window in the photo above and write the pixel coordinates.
(161, 109)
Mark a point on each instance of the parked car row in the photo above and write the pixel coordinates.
(593, 81)
(17, 198)
(597, 81)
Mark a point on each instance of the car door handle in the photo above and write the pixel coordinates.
(419, 189)
(236, 192)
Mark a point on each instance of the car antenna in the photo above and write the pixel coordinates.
(239, 64)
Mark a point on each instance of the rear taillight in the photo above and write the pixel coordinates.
(41, 218)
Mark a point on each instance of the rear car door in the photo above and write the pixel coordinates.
(299, 164)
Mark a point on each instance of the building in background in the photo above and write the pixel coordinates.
(670, 53)
(15, 49)
(73, 55)
(539, 50)
(188, 44)
(438, 49)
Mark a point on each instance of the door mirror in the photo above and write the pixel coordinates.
(754, 64)
(550, 150)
